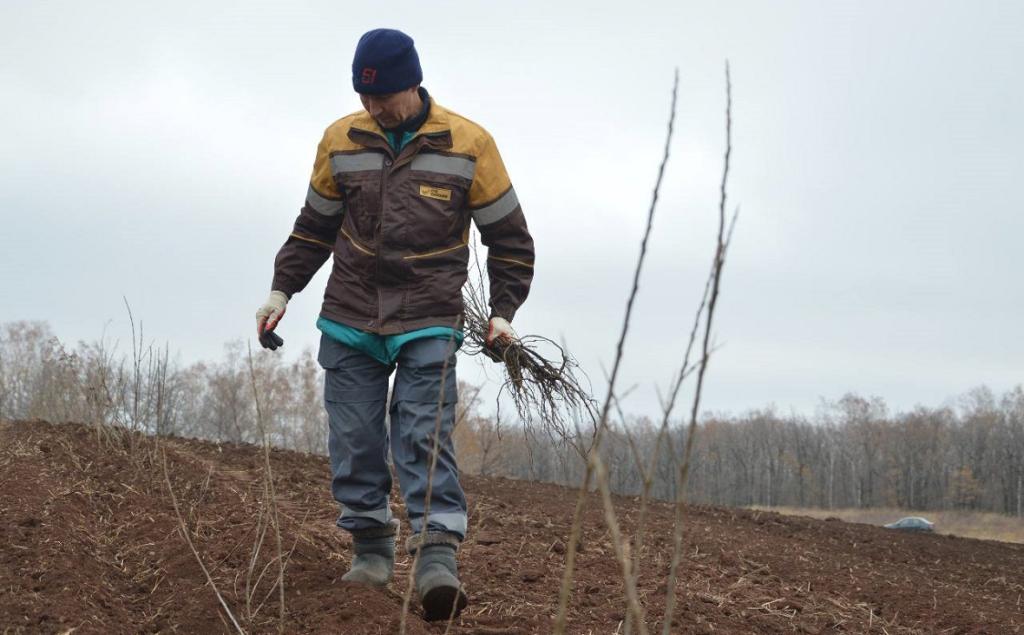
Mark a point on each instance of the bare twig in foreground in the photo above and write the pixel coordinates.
(685, 370)
(719, 261)
(620, 545)
(567, 577)
(269, 489)
(188, 538)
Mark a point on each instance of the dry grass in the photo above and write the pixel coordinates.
(980, 525)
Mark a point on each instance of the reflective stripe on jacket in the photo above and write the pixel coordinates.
(398, 225)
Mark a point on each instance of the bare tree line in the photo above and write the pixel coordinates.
(145, 390)
(852, 452)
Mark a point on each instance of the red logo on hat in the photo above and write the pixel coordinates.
(369, 75)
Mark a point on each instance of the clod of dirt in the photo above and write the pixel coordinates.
(487, 538)
(531, 575)
(489, 521)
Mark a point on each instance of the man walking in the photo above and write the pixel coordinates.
(393, 192)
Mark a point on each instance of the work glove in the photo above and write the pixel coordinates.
(499, 330)
(267, 318)
(499, 336)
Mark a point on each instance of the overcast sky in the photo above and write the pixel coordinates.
(160, 151)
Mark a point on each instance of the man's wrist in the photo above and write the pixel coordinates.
(503, 314)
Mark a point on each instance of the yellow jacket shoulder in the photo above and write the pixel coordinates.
(468, 137)
(336, 134)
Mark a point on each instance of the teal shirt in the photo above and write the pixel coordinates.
(399, 142)
(384, 348)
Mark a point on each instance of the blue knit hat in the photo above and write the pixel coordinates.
(385, 62)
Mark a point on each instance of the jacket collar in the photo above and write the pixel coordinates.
(435, 132)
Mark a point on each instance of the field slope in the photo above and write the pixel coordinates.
(89, 541)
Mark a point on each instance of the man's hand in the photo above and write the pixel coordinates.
(499, 330)
(267, 318)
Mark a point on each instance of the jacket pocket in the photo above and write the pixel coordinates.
(439, 289)
(358, 176)
(432, 211)
(351, 376)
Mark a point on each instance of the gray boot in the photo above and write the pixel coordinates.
(374, 560)
(437, 577)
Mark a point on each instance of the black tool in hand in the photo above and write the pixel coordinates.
(271, 340)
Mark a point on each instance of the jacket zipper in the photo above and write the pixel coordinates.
(380, 233)
(390, 162)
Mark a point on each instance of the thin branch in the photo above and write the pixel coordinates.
(620, 546)
(719, 261)
(563, 602)
(257, 545)
(685, 370)
(188, 538)
(270, 490)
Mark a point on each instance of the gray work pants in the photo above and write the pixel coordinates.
(355, 394)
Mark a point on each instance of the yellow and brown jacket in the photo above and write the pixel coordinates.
(398, 225)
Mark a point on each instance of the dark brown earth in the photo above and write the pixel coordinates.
(89, 543)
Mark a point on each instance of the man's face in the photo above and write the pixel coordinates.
(393, 108)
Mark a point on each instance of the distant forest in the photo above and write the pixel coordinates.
(852, 452)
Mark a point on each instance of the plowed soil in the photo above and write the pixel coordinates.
(90, 543)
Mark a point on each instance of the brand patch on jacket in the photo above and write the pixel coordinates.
(439, 193)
